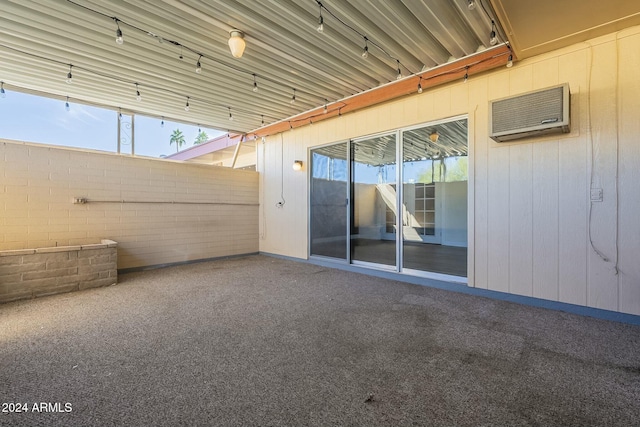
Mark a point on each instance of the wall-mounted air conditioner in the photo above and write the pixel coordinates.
(535, 113)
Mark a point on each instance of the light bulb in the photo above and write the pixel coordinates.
(236, 43)
(186, 107)
(3, 94)
(365, 52)
(66, 105)
(162, 123)
(119, 38)
(510, 61)
(320, 28)
(493, 40)
(466, 77)
(471, 5)
(138, 96)
(198, 67)
(69, 77)
(399, 76)
(419, 88)
(255, 86)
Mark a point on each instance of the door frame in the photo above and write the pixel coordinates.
(469, 280)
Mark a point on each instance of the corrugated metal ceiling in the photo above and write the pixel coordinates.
(40, 38)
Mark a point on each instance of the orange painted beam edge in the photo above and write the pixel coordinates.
(475, 64)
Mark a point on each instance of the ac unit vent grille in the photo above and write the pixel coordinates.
(533, 109)
(541, 112)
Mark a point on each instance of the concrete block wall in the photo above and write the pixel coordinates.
(29, 273)
(159, 211)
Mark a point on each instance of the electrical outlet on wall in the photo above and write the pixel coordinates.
(596, 194)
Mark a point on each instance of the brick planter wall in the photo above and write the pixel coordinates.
(30, 273)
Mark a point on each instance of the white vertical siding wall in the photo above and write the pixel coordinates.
(531, 221)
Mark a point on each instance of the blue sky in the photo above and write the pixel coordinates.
(31, 118)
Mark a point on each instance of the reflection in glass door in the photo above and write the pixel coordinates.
(374, 198)
(434, 198)
(328, 201)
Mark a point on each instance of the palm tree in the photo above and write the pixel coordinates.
(202, 137)
(178, 137)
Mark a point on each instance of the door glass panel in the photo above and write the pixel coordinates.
(374, 200)
(328, 197)
(434, 205)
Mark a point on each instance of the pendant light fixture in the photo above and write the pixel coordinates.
(320, 28)
(119, 38)
(493, 39)
(3, 94)
(69, 75)
(236, 43)
(434, 136)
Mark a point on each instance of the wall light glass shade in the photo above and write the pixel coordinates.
(297, 165)
(236, 43)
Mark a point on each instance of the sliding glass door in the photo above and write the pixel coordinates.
(328, 201)
(410, 216)
(434, 198)
(374, 206)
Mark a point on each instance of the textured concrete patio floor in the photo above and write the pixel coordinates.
(259, 341)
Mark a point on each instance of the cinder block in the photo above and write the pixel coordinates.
(11, 259)
(15, 295)
(38, 283)
(53, 274)
(87, 277)
(10, 279)
(61, 280)
(94, 246)
(100, 259)
(57, 249)
(89, 269)
(55, 265)
(97, 283)
(6, 270)
(89, 253)
(51, 257)
(56, 289)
